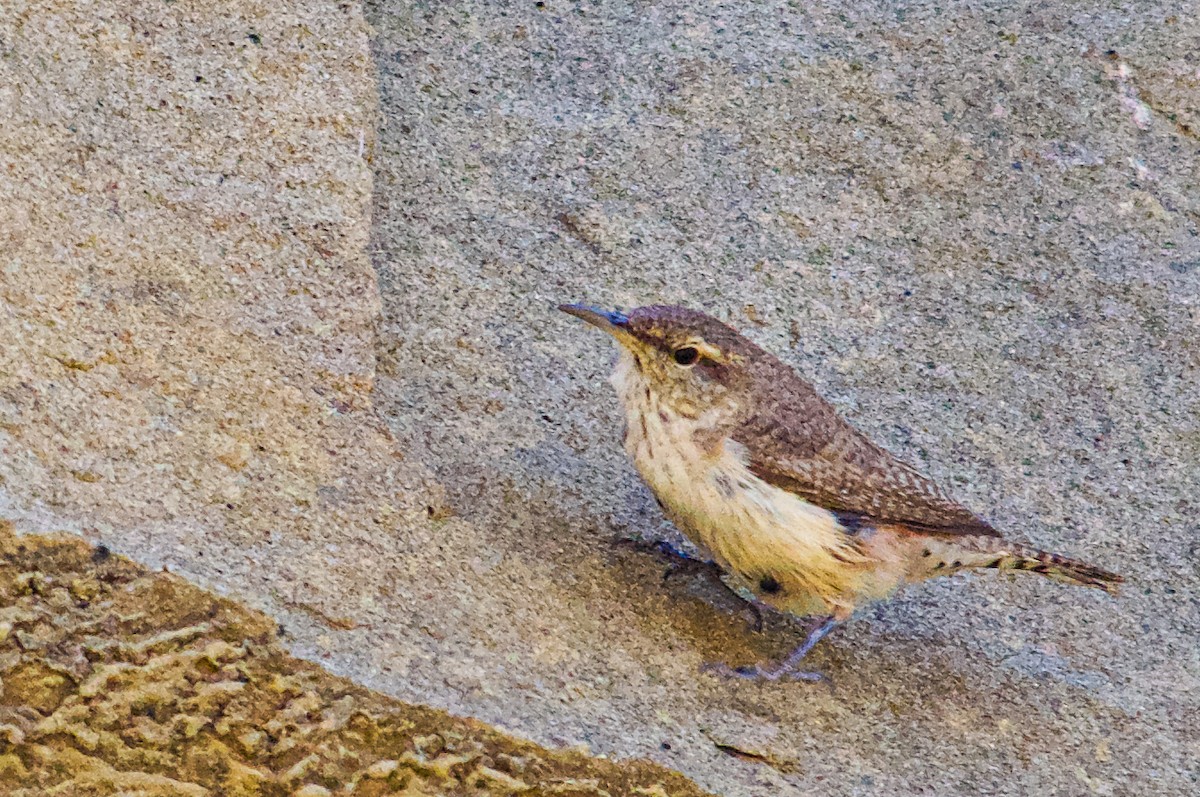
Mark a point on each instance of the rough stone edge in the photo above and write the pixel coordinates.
(118, 678)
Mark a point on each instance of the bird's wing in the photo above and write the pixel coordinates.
(798, 443)
(894, 493)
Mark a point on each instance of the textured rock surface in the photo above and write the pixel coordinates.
(974, 225)
(974, 228)
(184, 277)
(120, 681)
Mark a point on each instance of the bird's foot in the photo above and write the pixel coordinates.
(682, 562)
(759, 673)
(785, 669)
(755, 613)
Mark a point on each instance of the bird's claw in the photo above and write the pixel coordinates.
(786, 668)
(756, 623)
(756, 673)
(682, 562)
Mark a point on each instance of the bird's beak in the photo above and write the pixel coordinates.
(611, 321)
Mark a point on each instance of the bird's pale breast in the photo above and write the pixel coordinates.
(791, 554)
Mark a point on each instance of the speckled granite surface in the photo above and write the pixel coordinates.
(973, 227)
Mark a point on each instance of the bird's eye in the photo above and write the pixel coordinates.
(686, 355)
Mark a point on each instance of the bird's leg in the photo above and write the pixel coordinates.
(758, 610)
(683, 562)
(785, 668)
(740, 589)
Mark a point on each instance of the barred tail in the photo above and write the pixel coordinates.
(1059, 568)
(942, 555)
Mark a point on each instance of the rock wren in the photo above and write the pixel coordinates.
(800, 510)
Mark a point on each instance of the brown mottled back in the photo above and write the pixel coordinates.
(795, 440)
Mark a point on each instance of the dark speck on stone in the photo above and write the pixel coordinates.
(768, 585)
(101, 553)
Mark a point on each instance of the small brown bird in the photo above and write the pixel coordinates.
(800, 510)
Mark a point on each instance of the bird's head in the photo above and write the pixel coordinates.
(690, 362)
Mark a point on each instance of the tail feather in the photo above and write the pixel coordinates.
(1061, 568)
(942, 555)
